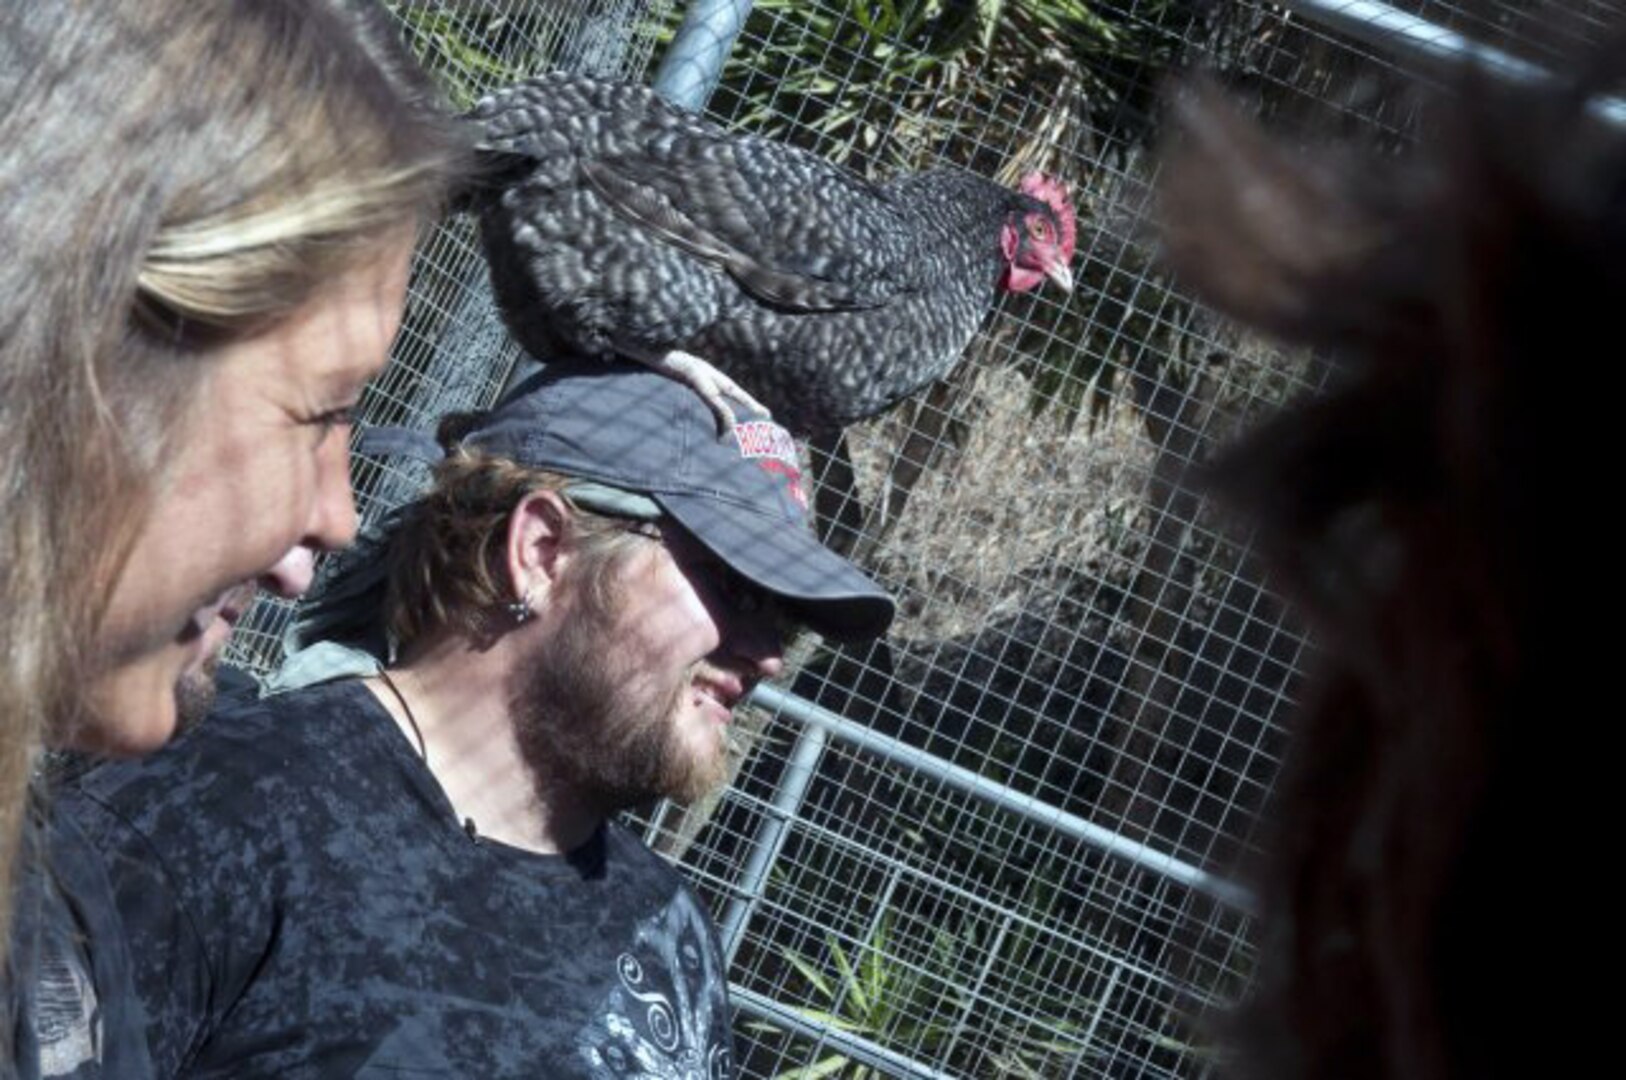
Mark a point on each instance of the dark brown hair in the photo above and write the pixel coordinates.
(1465, 295)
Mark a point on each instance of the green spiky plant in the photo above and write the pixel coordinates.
(852, 70)
(870, 993)
(920, 1008)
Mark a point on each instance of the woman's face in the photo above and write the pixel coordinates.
(259, 466)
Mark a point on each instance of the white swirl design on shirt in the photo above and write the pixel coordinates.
(657, 1021)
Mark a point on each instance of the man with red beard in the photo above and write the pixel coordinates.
(416, 871)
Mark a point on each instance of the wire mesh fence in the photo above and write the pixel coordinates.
(998, 842)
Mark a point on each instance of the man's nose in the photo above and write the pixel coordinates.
(757, 640)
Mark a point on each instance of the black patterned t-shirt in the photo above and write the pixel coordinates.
(66, 980)
(301, 901)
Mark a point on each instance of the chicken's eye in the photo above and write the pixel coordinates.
(1039, 228)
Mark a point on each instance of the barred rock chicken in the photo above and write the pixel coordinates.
(622, 225)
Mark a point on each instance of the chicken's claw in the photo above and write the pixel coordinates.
(711, 384)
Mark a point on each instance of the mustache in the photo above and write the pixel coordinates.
(726, 676)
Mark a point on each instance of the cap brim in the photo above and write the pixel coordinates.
(831, 594)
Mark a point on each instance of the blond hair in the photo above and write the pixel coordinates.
(174, 177)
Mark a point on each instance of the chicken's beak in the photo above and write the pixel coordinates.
(1063, 277)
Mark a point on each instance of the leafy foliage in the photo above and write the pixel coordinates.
(866, 73)
(906, 988)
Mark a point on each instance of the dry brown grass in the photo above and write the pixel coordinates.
(1022, 499)
(1020, 493)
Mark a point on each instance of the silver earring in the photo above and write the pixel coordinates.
(521, 609)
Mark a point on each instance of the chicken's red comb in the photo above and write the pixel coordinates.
(1053, 193)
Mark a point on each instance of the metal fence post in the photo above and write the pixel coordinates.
(770, 837)
(694, 61)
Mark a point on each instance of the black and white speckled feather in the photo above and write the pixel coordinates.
(628, 226)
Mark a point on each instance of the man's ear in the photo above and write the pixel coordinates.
(536, 536)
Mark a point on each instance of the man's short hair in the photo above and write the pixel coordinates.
(447, 561)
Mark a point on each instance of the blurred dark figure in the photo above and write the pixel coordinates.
(1434, 514)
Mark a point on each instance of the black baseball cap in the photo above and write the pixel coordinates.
(633, 435)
